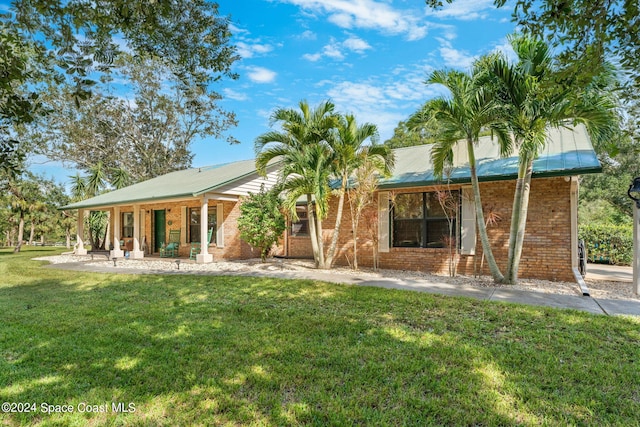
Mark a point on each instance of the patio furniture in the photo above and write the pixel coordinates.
(195, 246)
(171, 250)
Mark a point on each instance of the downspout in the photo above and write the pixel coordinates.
(574, 236)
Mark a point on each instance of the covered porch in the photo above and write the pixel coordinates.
(170, 228)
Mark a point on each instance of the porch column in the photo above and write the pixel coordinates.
(80, 250)
(204, 256)
(136, 253)
(116, 252)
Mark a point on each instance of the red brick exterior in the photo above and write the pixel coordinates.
(546, 253)
(547, 245)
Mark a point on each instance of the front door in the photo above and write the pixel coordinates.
(159, 230)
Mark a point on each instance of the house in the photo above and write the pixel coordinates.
(412, 226)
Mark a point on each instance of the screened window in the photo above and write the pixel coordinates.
(194, 224)
(127, 224)
(300, 227)
(420, 220)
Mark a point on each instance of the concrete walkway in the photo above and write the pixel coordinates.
(583, 303)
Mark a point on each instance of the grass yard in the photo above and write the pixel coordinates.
(197, 350)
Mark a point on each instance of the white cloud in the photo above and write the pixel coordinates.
(313, 57)
(505, 47)
(335, 49)
(463, 10)
(308, 35)
(261, 75)
(248, 50)
(453, 57)
(232, 94)
(356, 44)
(367, 14)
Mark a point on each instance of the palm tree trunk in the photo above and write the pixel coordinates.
(519, 220)
(331, 252)
(32, 232)
(321, 260)
(482, 229)
(312, 231)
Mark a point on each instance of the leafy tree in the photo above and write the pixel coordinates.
(19, 102)
(406, 136)
(306, 158)
(349, 152)
(149, 135)
(471, 108)
(25, 197)
(85, 39)
(262, 221)
(534, 101)
(589, 32)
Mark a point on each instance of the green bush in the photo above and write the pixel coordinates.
(608, 243)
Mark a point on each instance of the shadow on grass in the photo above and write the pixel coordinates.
(214, 350)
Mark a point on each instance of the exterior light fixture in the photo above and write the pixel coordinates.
(634, 194)
(178, 263)
(114, 261)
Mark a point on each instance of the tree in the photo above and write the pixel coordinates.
(84, 38)
(590, 32)
(349, 152)
(406, 136)
(99, 180)
(19, 103)
(471, 109)
(305, 154)
(261, 221)
(149, 135)
(535, 101)
(25, 197)
(361, 198)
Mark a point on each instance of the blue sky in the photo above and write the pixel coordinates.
(370, 57)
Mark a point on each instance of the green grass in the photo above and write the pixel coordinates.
(197, 350)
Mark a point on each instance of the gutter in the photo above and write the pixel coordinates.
(581, 282)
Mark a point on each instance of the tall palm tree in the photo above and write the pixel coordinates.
(534, 102)
(349, 153)
(302, 147)
(471, 109)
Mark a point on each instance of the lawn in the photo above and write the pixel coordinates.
(197, 350)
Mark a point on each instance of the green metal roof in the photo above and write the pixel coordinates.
(568, 152)
(174, 185)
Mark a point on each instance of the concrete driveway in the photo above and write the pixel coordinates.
(611, 273)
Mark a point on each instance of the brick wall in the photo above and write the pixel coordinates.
(547, 245)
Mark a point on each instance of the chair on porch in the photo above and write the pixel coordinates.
(171, 250)
(195, 246)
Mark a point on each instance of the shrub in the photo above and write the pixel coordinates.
(608, 243)
(261, 222)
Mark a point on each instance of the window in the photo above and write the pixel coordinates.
(419, 221)
(127, 224)
(300, 227)
(194, 224)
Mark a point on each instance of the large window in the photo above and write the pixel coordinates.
(127, 224)
(300, 227)
(194, 224)
(420, 221)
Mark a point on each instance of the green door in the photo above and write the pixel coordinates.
(160, 229)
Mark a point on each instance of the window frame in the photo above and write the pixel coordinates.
(426, 223)
(126, 230)
(195, 237)
(302, 223)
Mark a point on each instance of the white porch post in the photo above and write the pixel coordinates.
(204, 256)
(116, 252)
(136, 253)
(80, 250)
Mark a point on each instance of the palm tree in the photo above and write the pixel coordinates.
(305, 153)
(470, 110)
(349, 153)
(535, 102)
